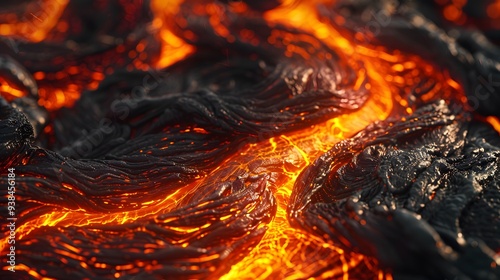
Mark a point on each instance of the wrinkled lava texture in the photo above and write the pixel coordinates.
(417, 192)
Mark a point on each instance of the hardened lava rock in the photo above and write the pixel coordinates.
(421, 194)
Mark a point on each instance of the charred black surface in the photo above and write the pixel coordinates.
(103, 184)
(420, 193)
(229, 94)
(16, 131)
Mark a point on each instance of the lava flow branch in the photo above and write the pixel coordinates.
(280, 139)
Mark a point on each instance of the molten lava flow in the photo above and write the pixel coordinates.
(281, 254)
(194, 148)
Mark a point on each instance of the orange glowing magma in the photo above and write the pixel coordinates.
(280, 254)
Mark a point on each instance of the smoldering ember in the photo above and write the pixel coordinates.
(250, 139)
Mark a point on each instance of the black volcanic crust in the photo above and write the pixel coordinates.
(421, 194)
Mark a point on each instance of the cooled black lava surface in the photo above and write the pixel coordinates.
(421, 194)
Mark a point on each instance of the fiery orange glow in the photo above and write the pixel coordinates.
(173, 48)
(495, 122)
(37, 21)
(10, 91)
(281, 254)
(494, 10)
